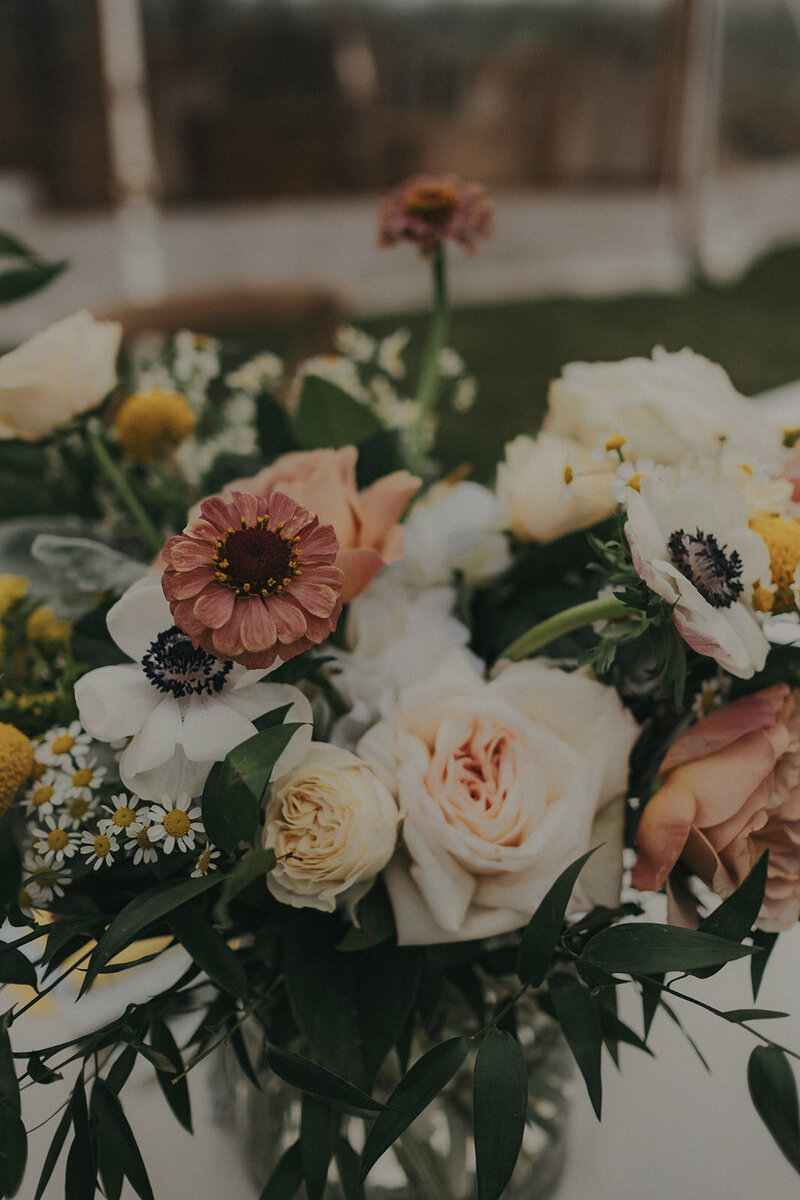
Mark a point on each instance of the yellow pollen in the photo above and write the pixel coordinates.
(57, 839)
(763, 599)
(635, 481)
(82, 777)
(615, 442)
(42, 794)
(748, 470)
(62, 744)
(16, 764)
(78, 808)
(569, 474)
(783, 542)
(102, 846)
(177, 823)
(123, 817)
(149, 425)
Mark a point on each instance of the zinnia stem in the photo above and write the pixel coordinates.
(430, 376)
(607, 608)
(123, 489)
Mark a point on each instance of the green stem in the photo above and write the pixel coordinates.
(430, 376)
(123, 489)
(607, 608)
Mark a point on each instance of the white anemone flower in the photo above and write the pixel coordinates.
(182, 709)
(690, 540)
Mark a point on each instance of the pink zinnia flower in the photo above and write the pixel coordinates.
(253, 580)
(427, 209)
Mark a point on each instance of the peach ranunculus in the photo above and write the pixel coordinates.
(366, 522)
(498, 785)
(731, 791)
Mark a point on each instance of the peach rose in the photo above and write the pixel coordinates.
(498, 784)
(731, 791)
(366, 522)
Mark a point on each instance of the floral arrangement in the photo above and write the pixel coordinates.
(364, 747)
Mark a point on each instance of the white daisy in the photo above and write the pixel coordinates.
(390, 353)
(30, 897)
(206, 862)
(56, 840)
(85, 778)
(79, 809)
(354, 343)
(46, 880)
(175, 823)
(146, 851)
(99, 849)
(182, 708)
(123, 816)
(263, 371)
(59, 743)
(45, 795)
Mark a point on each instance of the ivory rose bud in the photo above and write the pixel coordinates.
(498, 784)
(333, 827)
(57, 374)
(537, 503)
(366, 522)
(730, 791)
(673, 407)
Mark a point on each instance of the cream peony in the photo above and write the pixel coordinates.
(673, 407)
(454, 528)
(333, 827)
(57, 374)
(537, 504)
(498, 784)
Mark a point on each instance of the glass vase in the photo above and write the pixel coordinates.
(435, 1158)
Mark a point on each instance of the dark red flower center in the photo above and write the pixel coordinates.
(434, 202)
(256, 560)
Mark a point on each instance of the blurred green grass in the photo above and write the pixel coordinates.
(751, 327)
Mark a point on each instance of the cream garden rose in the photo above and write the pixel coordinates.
(498, 784)
(333, 826)
(57, 374)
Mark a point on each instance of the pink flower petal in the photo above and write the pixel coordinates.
(215, 606)
(360, 567)
(180, 585)
(185, 553)
(382, 505)
(725, 725)
(290, 622)
(258, 628)
(315, 598)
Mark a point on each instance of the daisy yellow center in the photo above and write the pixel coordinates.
(204, 862)
(42, 794)
(24, 898)
(16, 763)
(143, 839)
(256, 560)
(38, 770)
(783, 542)
(177, 823)
(78, 808)
(62, 744)
(82, 777)
(431, 201)
(123, 817)
(57, 839)
(151, 424)
(102, 846)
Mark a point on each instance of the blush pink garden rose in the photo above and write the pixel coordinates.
(498, 784)
(730, 791)
(366, 522)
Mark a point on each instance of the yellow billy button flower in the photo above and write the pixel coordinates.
(16, 764)
(149, 425)
(783, 542)
(12, 589)
(44, 628)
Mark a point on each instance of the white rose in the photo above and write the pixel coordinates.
(455, 527)
(333, 826)
(537, 504)
(58, 373)
(498, 784)
(671, 408)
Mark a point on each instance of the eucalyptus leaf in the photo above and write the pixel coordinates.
(255, 864)
(541, 934)
(175, 1090)
(347, 1163)
(499, 1105)
(155, 1057)
(121, 1068)
(735, 917)
(16, 968)
(737, 1015)
(766, 943)
(9, 1084)
(580, 1021)
(774, 1093)
(10, 871)
(81, 1171)
(54, 1151)
(114, 1128)
(13, 1150)
(22, 281)
(201, 941)
(40, 1073)
(284, 1182)
(317, 1134)
(648, 948)
(329, 417)
(318, 1081)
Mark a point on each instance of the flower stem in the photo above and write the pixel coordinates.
(607, 608)
(430, 376)
(123, 489)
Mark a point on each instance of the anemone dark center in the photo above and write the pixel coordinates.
(256, 560)
(431, 202)
(172, 664)
(713, 569)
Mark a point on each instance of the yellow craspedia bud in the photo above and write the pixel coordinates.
(763, 599)
(16, 764)
(783, 542)
(149, 425)
(615, 442)
(44, 627)
(12, 589)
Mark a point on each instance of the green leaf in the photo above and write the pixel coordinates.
(113, 1127)
(413, 1094)
(328, 417)
(580, 1020)
(651, 999)
(9, 1084)
(774, 1093)
(81, 1172)
(208, 949)
(21, 281)
(13, 1149)
(16, 968)
(256, 863)
(540, 936)
(144, 910)
(153, 1056)
(176, 1094)
(13, 247)
(239, 1048)
(310, 1077)
(615, 1030)
(735, 917)
(40, 1073)
(10, 872)
(765, 942)
(648, 948)
(347, 1163)
(235, 797)
(317, 1132)
(273, 426)
(285, 1180)
(219, 830)
(499, 1104)
(117, 1077)
(54, 1151)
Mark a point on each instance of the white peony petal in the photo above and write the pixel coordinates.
(211, 728)
(155, 742)
(115, 702)
(138, 617)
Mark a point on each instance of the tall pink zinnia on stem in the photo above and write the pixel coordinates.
(253, 580)
(429, 209)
